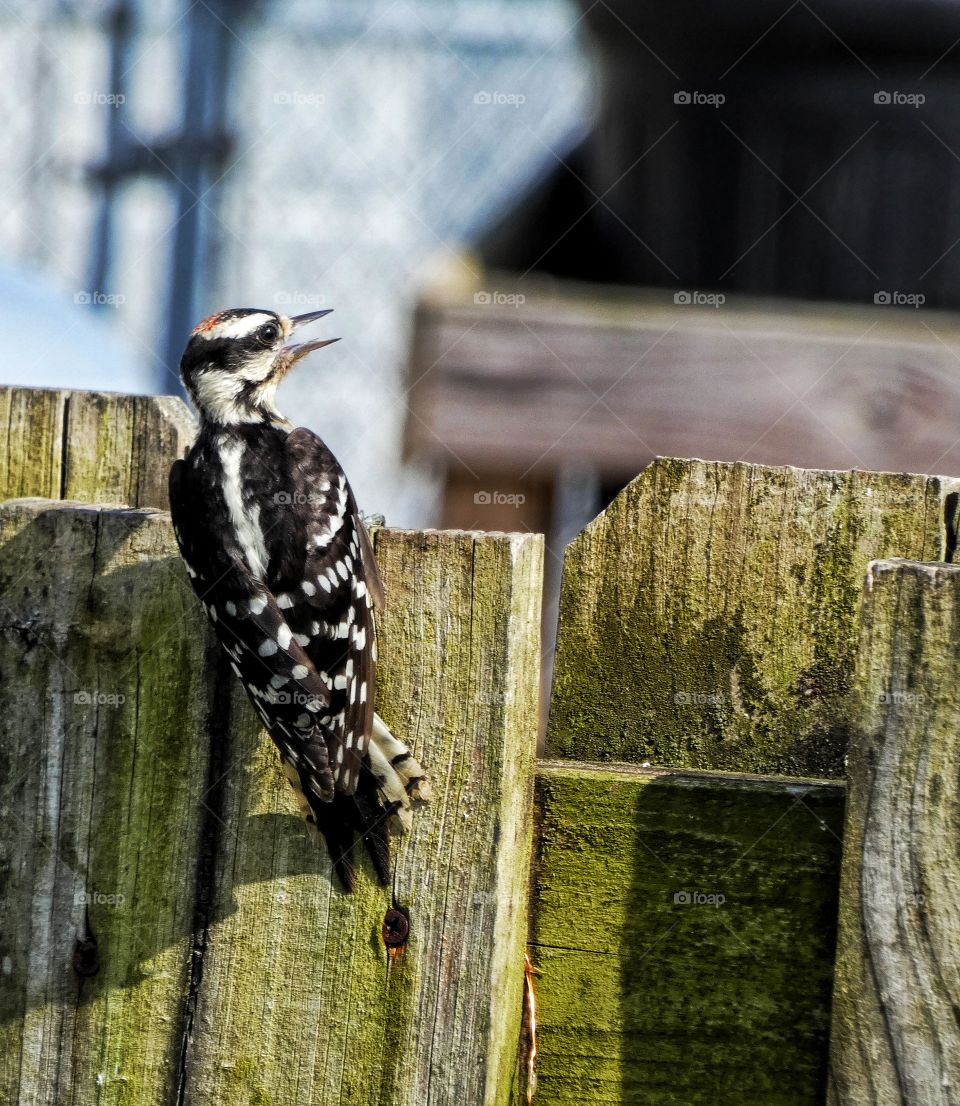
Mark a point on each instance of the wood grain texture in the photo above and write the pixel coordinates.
(611, 377)
(895, 1036)
(708, 618)
(119, 448)
(298, 1003)
(104, 702)
(683, 924)
(139, 797)
(31, 458)
(94, 447)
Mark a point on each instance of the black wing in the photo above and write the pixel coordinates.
(325, 580)
(302, 641)
(281, 681)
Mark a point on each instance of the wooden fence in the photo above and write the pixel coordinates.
(675, 869)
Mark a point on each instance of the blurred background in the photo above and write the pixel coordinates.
(559, 238)
(162, 160)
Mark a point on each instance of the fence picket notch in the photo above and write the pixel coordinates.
(708, 618)
(895, 1035)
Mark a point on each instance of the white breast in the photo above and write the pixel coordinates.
(244, 516)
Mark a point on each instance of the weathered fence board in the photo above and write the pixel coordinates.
(895, 1035)
(95, 447)
(297, 1002)
(230, 969)
(31, 459)
(709, 615)
(170, 934)
(653, 992)
(104, 699)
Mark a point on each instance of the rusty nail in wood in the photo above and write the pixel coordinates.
(396, 927)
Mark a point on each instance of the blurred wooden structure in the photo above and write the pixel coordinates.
(169, 934)
(559, 393)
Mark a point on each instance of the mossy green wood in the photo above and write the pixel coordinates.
(708, 618)
(298, 1004)
(94, 447)
(896, 1036)
(104, 704)
(31, 432)
(683, 925)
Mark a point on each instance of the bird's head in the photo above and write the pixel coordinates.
(235, 360)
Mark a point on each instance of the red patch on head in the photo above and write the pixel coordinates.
(210, 322)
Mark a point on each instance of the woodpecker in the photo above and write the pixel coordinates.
(278, 554)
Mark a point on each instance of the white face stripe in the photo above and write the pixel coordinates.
(234, 328)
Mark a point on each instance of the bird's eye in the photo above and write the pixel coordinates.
(268, 333)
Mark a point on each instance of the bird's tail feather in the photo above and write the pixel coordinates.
(390, 786)
(345, 818)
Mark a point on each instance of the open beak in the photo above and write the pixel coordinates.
(294, 353)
